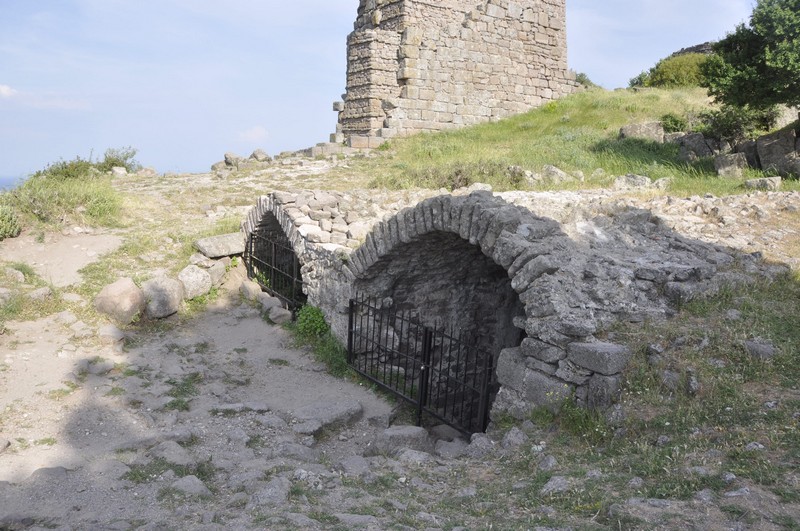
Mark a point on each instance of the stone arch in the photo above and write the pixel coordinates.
(534, 365)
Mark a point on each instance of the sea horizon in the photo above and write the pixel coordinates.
(9, 183)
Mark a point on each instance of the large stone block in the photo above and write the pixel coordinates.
(163, 295)
(123, 301)
(604, 358)
(545, 391)
(222, 245)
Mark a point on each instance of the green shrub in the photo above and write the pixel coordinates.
(67, 170)
(583, 80)
(121, 158)
(673, 123)
(311, 323)
(735, 124)
(9, 224)
(676, 71)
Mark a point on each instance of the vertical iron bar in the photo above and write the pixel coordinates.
(350, 331)
(427, 346)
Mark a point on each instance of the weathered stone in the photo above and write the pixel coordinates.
(603, 391)
(196, 281)
(631, 181)
(191, 486)
(40, 294)
(260, 155)
(273, 494)
(279, 315)
(232, 159)
(15, 275)
(731, 165)
(545, 391)
(760, 349)
(770, 184)
(773, 148)
(541, 265)
(163, 297)
(399, 437)
(694, 146)
(556, 485)
(605, 358)
(653, 131)
(250, 290)
(267, 301)
(172, 452)
(217, 273)
(123, 301)
(327, 415)
(222, 245)
(542, 351)
(570, 372)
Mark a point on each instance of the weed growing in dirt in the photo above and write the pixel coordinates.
(312, 330)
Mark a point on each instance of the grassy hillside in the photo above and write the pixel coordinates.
(577, 133)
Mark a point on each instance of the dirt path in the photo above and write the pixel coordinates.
(109, 429)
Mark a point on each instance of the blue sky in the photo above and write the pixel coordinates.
(184, 81)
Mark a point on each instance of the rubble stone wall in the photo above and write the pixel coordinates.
(417, 65)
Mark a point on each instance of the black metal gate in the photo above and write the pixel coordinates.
(439, 372)
(273, 264)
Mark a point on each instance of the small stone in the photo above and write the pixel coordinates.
(15, 275)
(744, 491)
(705, 496)
(636, 483)
(191, 486)
(663, 440)
(556, 485)
(755, 447)
(514, 438)
(41, 294)
(728, 477)
(760, 349)
(547, 463)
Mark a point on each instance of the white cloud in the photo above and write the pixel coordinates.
(256, 133)
(7, 92)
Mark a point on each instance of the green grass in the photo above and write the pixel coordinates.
(576, 133)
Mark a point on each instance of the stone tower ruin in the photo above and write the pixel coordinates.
(429, 65)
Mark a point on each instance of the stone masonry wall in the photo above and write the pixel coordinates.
(601, 263)
(417, 65)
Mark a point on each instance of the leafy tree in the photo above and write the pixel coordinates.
(759, 64)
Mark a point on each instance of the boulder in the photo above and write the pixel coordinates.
(196, 281)
(748, 149)
(555, 175)
(217, 273)
(163, 295)
(694, 146)
(260, 155)
(653, 131)
(232, 159)
(119, 171)
(774, 148)
(731, 165)
(222, 245)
